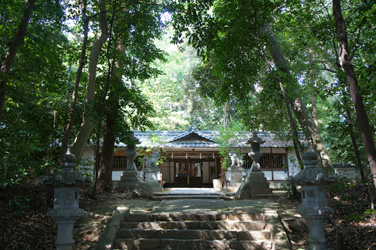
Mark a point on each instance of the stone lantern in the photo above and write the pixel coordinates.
(129, 178)
(255, 153)
(255, 184)
(66, 211)
(313, 182)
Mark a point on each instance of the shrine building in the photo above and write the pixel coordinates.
(191, 158)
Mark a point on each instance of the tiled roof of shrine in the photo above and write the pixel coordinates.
(193, 138)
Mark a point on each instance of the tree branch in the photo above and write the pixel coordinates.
(356, 45)
(123, 8)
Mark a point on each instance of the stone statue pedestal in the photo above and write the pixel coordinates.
(152, 176)
(235, 171)
(236, 179)
(254, 186)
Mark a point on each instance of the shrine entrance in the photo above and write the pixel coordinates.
(190, 171)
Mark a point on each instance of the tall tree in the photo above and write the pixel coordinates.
(87, 124)
(73, 108)
(36, 91)
(132, 45)
(13, 48)
(238, 57)
(356, 96)
(301, 112)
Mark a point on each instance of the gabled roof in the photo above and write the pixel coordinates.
(192, 135)
(193, 138)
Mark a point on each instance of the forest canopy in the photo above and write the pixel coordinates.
(79, 72)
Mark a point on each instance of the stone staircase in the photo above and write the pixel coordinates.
(164, 196)
(191, 193)
(195, 230)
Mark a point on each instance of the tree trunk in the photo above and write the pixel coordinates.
(104, 182)
(301, 112)
(72, 115)
(352, 136)
(11, 54)
(313, 92)
(87, 125)
(294, 131)
(346, 63)
(314, 107)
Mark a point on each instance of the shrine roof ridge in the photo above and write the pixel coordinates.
(193, 138)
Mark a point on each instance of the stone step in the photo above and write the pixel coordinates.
(193, 234)
(189, 244)
(141, 217)
(191, 196)
(195, 228)
(190, 225)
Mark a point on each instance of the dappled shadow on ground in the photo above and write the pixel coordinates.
(24, 224)
(352, 226)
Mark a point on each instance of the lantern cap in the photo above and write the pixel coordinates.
(310, 156)
(311, 175)
(132, 139)
(255, 139)
(67, 176)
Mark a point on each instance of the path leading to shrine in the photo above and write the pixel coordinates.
(195, 223)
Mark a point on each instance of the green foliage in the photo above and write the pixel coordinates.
(340, 185)
(174, 94)
(20, 202)
(218, 35)
(228, 141)
(289, 191)
(370, 213)
(355, 217)
(36, 92)
(232, 80)
(85, 166)
(155, 145)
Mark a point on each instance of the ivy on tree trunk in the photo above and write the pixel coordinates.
(356, 96)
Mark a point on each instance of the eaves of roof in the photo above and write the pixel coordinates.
(167, 139)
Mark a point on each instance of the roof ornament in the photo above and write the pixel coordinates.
(192, 134)
(192, 129)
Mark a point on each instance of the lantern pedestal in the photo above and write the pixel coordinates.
(254, 186)
(129, 179)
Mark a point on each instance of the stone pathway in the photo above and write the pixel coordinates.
(192, 191)
(123, 230)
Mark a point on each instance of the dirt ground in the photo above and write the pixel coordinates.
(25, 225)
